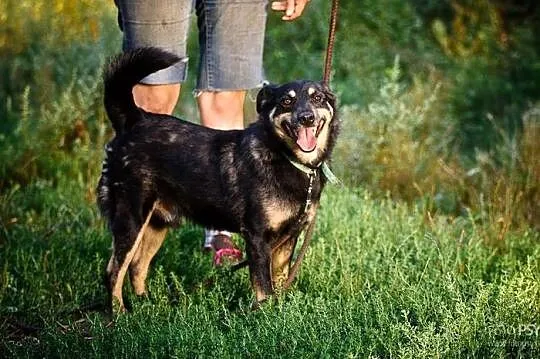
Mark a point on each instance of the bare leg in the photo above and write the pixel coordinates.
(223, 110)
(157, 98)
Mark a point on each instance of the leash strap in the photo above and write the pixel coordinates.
(331, 39)
(330, 176)
(296, 266)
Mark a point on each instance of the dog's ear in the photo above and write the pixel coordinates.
(264, 97)
(328, 93)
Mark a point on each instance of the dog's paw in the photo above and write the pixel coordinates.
(263, 303)
(117, 307)
(256, 305)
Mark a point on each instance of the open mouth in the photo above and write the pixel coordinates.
(306, 137)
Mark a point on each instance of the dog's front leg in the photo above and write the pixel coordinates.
(259, 260)
(281, 261)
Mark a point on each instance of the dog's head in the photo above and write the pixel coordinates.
(303, 115)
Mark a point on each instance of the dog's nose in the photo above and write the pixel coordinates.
(306, 118)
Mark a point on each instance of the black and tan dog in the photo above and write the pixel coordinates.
(263, 182)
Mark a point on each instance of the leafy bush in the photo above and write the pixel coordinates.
(393, 141)
(62, 140)
(489, 96)
(53, 123)
(401, 146)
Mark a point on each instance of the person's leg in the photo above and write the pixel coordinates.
(222, 110)
(163, 24)
(157, 98)
(231, 38)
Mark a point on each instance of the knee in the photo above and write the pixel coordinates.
(222, 110)
(156, 98)
(228, 102)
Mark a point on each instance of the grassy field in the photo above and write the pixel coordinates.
(379, 281)
(430, 249)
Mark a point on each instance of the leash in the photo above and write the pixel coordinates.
(296, 266)
(331, 40)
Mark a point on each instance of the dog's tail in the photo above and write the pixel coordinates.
(124, 72)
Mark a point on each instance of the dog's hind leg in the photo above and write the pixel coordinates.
(281, 259)
(128, 233)
(138, 268)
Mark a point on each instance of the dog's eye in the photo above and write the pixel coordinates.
(286, 101)
(317, 98)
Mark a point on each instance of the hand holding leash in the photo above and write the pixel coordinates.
(293, 8)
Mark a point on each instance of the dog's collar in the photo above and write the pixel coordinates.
(302, 167)
(311, 171)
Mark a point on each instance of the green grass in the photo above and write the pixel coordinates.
(378, 281)
(432, 251)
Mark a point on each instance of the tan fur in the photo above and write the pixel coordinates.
(277, 213)
(118, 270)
(164, 212)
(138, 268)
(322, 139)
(277, 121)
(281, 258)
(111, 262)
(260, 296)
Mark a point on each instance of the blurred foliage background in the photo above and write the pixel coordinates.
(439, 99)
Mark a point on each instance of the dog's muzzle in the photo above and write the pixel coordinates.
(308, 130)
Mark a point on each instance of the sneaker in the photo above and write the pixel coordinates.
(224, 249)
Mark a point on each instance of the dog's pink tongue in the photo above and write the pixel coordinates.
(306, 139)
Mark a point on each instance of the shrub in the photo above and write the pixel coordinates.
(401, 146)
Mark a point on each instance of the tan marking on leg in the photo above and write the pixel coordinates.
(138, 268)
(281, 259)
(111, 262)
(260, 296)
(163, 211)
(118, 270)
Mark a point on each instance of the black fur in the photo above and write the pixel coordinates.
(220, 179)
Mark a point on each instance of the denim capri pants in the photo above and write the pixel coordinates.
(231, 39)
